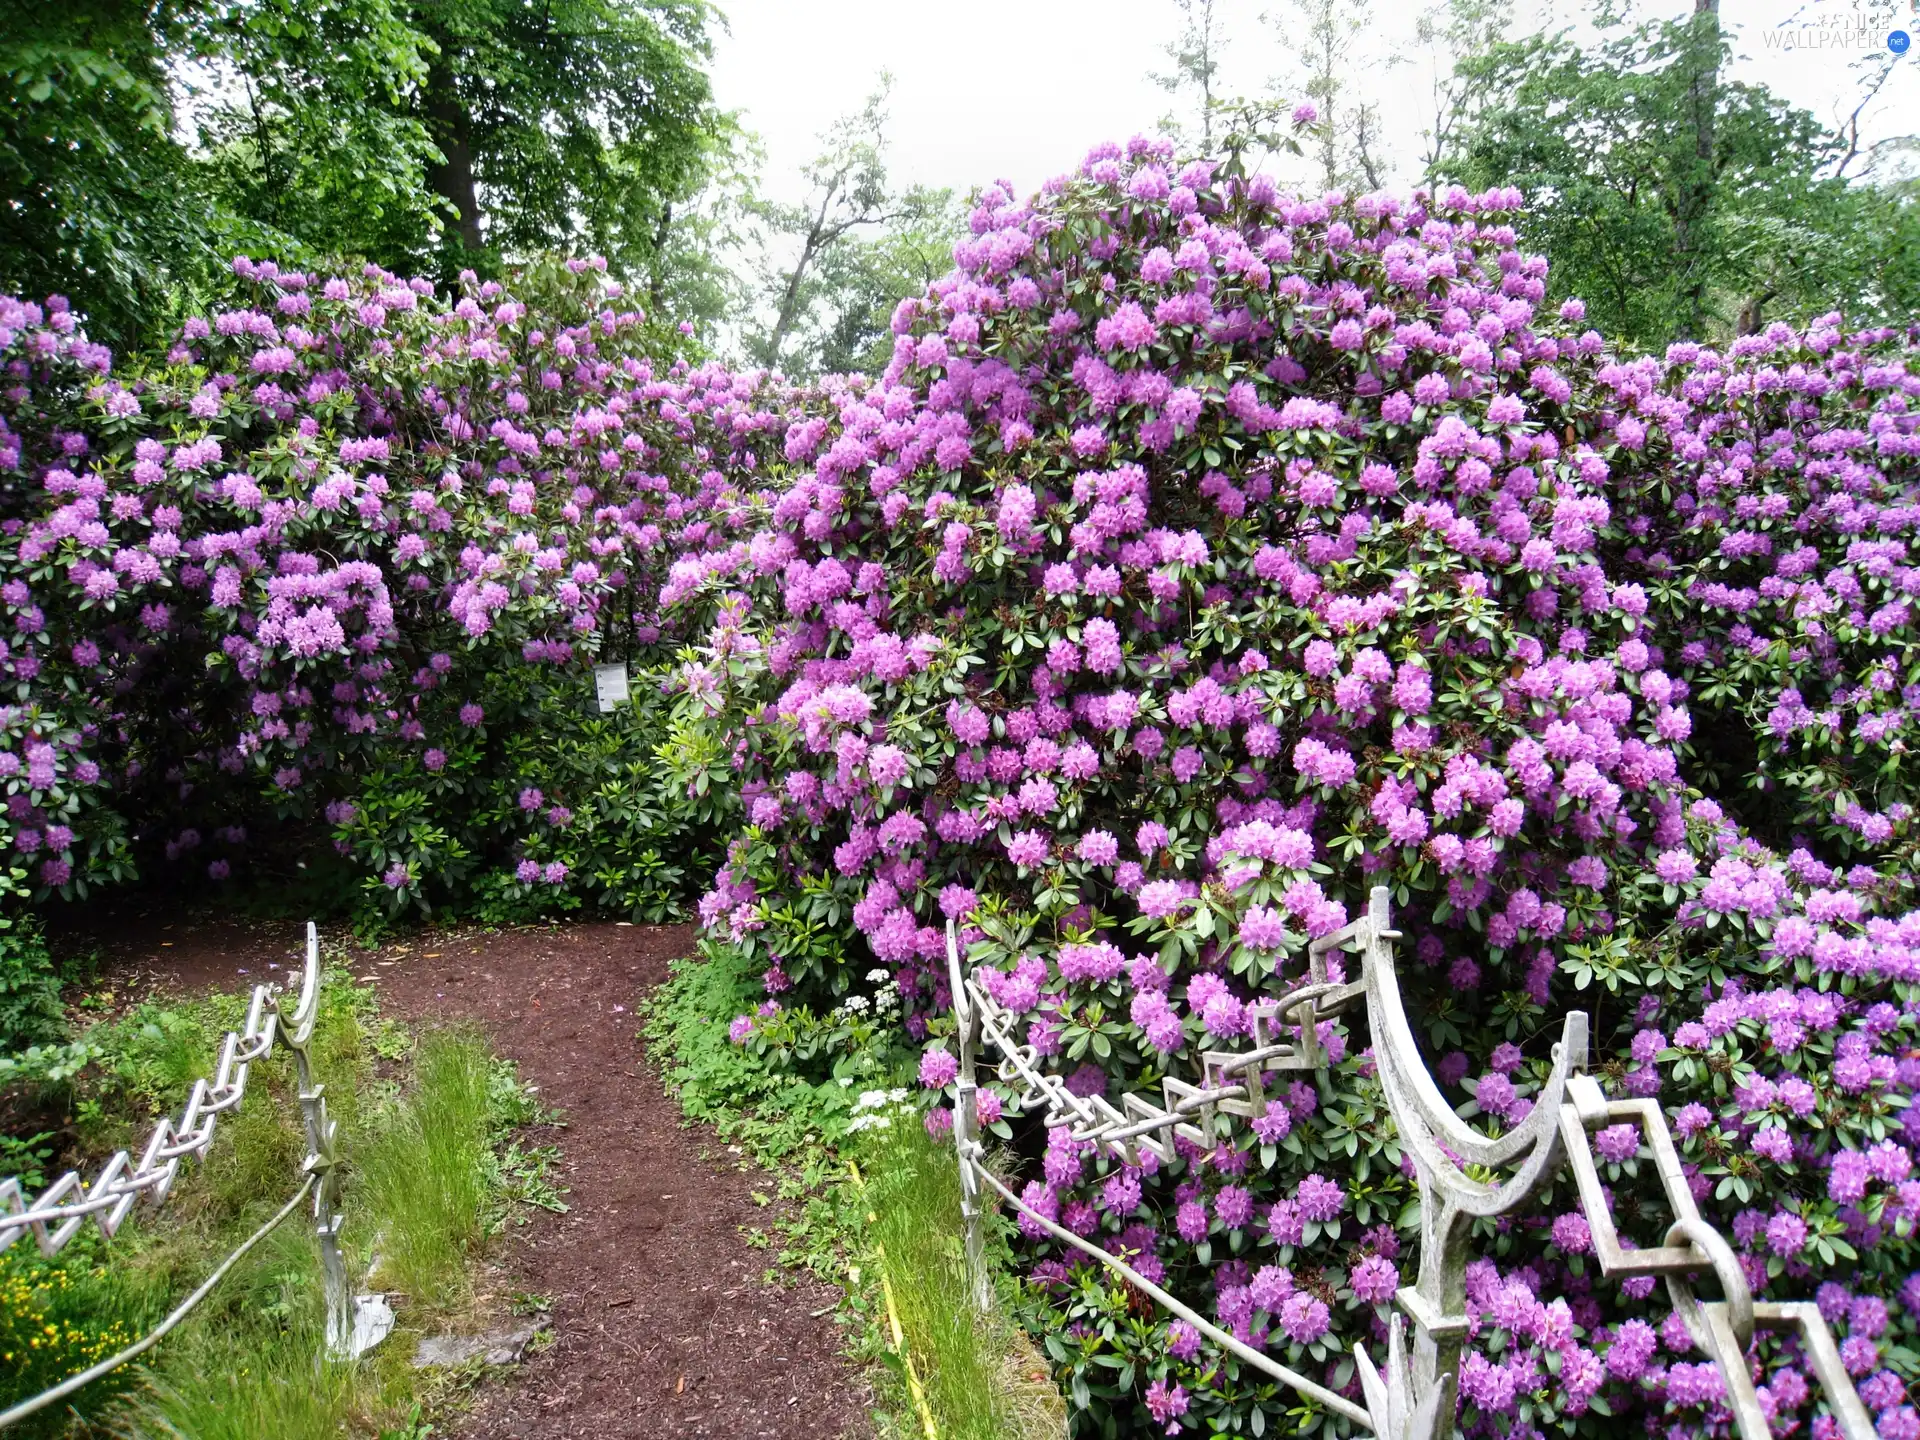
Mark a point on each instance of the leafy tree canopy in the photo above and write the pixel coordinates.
(1675, 202)
(836, 263)
(141, 144)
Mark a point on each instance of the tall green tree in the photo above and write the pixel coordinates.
(307, 142)
(834, 265)
(570, 124)
(1449, 32)
(1675, 201)
(687, 273)
(1327, 38)
(98, 202)
(141, 141)
(861, 282)
(1195, 53)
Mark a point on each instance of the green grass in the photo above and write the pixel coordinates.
(256, 1365)
(982, 1375)
(431, 1170)
(976, 1370)
(425, 1175)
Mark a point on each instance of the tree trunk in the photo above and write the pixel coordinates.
(817, 239)
(1697, 191)
(273, 185)
(790, 302)
(447, 126)
(1206, 77)
(1753, 313)
(657, 278)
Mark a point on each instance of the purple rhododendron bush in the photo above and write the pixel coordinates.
(334, 568)
(1207, 556)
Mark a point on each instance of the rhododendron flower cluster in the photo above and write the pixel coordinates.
(343, 522)
(1339, 561)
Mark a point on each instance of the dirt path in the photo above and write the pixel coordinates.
(662, 1325)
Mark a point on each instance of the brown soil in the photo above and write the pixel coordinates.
(662, 1324)
(145, 951)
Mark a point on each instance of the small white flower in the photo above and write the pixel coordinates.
(878, 976)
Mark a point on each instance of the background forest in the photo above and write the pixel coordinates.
(145, 144)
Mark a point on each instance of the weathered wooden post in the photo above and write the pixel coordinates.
(354, 1325)
(966, 1128)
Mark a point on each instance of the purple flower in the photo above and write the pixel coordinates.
(1160, 898)
(1786, 1234)
(1675, 867)
(1121, 1194)
(1166, 1404)
(938, 1068)
(1089, 441)
(886, 765)
(1572, 1234)
(1495, 1095)
(1097, 847)
(1374, 1279)
(1028, 847)
(1128, 328)
(1183, 1341)
(1689, 1385)
(1271, 1287)
(1234, 1206)
(1262, 928)
(1190, 1221)
(1633, 1346)
(1304, 1318)
(1320, 1198)
(1617, 1143)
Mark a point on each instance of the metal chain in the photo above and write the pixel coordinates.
(59, 1211)
(33, 1405)
(1416, 1398)
(354, 1324)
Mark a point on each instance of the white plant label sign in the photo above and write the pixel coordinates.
(610, 686)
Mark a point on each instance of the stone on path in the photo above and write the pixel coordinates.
(496, 1347)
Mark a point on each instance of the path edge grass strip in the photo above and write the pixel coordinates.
(900, 1346)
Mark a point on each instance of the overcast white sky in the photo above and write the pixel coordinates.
(1019, 89)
